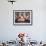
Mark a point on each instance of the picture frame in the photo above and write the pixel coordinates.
(22, 17)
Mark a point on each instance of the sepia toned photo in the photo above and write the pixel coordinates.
(22, 17)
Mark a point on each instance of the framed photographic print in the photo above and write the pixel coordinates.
(22, 17)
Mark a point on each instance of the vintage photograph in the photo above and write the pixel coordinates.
(22, 17)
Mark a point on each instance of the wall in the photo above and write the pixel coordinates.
(37, 31)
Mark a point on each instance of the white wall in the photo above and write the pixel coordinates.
(38, 30)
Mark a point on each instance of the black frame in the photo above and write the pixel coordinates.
(31, 15)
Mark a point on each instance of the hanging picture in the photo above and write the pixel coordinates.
(22, 17)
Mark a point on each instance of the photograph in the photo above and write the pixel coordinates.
(22, 17)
